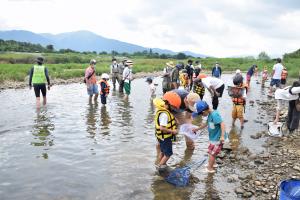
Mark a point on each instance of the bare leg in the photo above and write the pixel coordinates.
(44, 100)
(211, 162)
(95, 97)
(38, 104)
(164, 160)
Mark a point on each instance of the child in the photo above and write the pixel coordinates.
(284, 75)
(216, 131)
(238, 95)
(184, 79)
(165, 128)
(264, 76)
(104, 88)
(152, 86)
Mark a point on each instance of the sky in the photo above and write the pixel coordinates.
(222, 28)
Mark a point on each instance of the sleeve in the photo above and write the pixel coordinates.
(86, 74)
(125, 73)
(220, 70)
(47, 75)
(163, 119)
(30, 76)
(217, 119)
(111, 67)
(274, 67)
(212, 71)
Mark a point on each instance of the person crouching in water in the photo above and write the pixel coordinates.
(238, 95)
(37, 77)
(216, 132)
(165, 126)
(104, 88)
(198, 86)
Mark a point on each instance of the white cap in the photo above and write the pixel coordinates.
(238, 71)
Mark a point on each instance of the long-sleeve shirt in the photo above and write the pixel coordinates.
(31, 75)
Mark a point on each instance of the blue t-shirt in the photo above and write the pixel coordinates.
(214, 121)
(250, 71)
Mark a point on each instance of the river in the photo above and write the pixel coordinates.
(72, 149)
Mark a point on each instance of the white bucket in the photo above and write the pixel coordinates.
(275, 130)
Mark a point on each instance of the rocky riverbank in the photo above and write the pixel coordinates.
(19, 85)
(257, 175)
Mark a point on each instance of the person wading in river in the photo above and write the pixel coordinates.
(91, 82)
(127, 78)
(37, 77)
(114, 72)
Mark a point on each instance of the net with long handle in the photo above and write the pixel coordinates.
(180, 177)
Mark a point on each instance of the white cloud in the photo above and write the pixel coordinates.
(218, 28)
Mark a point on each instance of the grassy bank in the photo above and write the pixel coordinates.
(75, 64)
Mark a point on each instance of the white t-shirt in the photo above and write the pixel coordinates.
(278, 70)
(212, 81)
(163, 119)
(127, 75)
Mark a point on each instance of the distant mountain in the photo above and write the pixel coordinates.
(81, 41)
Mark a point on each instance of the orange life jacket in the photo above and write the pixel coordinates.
(284, 74)
(106, 89)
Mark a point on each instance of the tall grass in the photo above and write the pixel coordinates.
(18, 72)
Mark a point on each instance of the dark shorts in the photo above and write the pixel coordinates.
(283, 81)
(214, 149)
(220, 90)
(38, 88)
(166, 146)
(275, 82)
(103, 98)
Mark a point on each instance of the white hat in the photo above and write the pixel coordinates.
(105, 75)
(192, 98)
(238, 71)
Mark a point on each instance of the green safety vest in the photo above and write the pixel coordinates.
(38, 74)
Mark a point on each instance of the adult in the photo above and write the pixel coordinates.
(175, 76)
(190, 70)
(276, 75)
(114, 72)
(197, 69)
(216, 70)
(216, 88)
(38, 76)
(121, 67)
(91, 81)
(127, 78)
(166, 83)
(291, 94)
(251, 71)
(188, 100)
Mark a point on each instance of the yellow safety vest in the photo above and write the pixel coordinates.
(171, 124)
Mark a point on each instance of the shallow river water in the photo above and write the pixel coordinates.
(72, 149)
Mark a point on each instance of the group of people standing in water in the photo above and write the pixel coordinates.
(184, 88)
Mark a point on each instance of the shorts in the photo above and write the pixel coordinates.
(220, 90)
(283, 81)
(92, 89)
(38, 88)
(238, 111)
(214, 149)
(248, 77)
(166, 146)
(275, 82)
(127, 88)
(103, 98)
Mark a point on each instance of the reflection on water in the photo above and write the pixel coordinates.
(234, 138)
(210, 189)
(41, 131)
(104, 120)
(91, 118)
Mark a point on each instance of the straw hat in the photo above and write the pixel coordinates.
(192, 98)
(170, 64)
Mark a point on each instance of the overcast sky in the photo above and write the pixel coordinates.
(219, 28)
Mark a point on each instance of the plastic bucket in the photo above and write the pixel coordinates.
(275, 130)
(290, 189)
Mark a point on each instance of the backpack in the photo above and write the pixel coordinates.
(235, 92)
